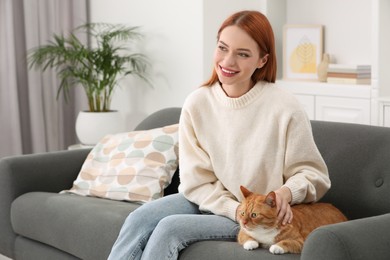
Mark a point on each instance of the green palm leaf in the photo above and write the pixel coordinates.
(97, 68)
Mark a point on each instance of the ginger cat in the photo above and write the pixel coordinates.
(257, 216)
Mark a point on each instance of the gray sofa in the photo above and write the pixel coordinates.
(38, 223)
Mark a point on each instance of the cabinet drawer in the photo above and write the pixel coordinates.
(349, 110)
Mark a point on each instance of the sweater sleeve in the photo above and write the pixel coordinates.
(198, 182)
(305, 172)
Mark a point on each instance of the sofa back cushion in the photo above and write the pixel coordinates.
(358, 160)
(357, 157)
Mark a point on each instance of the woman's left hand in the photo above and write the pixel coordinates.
(283, 199)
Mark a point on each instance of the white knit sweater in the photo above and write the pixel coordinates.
(261, 140)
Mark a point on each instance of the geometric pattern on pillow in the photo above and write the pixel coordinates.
(135, 166)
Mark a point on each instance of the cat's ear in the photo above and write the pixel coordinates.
(270, 200)
(245, 192)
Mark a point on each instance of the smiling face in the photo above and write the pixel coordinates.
(236, 57)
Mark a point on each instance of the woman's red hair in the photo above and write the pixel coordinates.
(257, 26)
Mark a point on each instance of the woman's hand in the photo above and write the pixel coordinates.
(283, 199)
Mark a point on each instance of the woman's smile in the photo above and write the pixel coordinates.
(227, 72)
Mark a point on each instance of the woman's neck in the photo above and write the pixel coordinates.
(235, 91)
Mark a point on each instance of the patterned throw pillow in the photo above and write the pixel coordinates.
(134, 166)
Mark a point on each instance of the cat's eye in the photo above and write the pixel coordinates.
(242, 213)
(253, 215)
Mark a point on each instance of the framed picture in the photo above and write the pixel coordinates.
(302, 51)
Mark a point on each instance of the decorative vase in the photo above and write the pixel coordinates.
(322, 69)
(93, 126)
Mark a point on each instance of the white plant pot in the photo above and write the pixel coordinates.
(93, 126)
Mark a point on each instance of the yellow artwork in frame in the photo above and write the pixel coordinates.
(302, 51)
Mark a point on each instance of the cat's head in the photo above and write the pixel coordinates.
(256, 209)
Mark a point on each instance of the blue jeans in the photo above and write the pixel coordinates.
(161, 228)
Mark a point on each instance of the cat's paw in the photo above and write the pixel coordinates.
(276, 250)
(251, 244)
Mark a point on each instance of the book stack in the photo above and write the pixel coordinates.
(349, 74)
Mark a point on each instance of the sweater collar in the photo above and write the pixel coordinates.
(241, 101)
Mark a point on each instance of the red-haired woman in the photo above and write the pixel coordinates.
(239, 128)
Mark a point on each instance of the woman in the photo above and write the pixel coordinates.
(239, 128)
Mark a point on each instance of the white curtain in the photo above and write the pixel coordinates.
(31, 119)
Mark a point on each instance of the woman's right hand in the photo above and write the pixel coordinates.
(283, 199)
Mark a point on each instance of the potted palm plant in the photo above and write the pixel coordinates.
(97, 67)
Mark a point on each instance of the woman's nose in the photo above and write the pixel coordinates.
(229, 59)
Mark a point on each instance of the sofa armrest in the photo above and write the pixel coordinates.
(366, 238)
(51, 172)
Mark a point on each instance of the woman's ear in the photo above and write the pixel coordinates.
(262, 61)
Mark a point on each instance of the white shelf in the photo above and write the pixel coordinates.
(384, 99)
(326, 89)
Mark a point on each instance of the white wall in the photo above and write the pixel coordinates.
(173, 41)
(383, 34)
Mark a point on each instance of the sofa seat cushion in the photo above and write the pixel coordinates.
(227, 250)
(85, 227)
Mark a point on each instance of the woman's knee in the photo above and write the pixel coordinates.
(155, 211)
(190, 226)
(171, 226)
(143, 217)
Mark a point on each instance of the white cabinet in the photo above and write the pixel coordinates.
(384, 112)
(332, 102)
(386, 116)
(348, 110)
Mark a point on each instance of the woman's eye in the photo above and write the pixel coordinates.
(244, 55)
(222, 48)
(253, 215)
